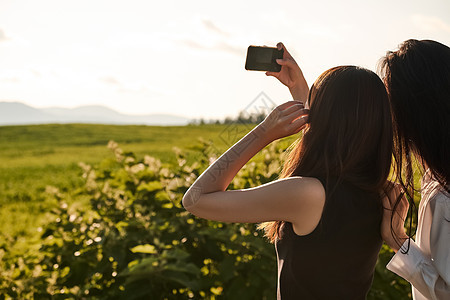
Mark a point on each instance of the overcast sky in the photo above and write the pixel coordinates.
(187, 57)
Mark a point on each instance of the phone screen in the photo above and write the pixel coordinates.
(263, 59)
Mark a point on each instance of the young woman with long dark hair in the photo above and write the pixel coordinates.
(328, 201)
(417, 77)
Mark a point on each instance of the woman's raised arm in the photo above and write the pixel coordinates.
(207, 197)
(291, 76)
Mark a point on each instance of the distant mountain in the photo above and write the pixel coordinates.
(16, 113)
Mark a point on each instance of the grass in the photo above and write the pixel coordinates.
(37, 156)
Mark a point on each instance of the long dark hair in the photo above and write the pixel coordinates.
(349, 135)
(417, 78)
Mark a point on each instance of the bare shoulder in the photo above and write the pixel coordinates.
(309, 207)
(310, 187)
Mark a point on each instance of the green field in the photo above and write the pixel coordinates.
(37, 160)
(34, 157)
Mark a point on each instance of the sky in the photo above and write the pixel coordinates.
(187, 57)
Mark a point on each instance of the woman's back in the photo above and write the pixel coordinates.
(324, 263)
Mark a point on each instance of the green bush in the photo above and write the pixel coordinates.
(136, 241)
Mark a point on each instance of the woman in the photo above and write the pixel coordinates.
(328, 200)
(417, 78)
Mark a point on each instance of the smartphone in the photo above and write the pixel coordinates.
(263, 58)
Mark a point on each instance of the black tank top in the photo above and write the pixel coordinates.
(336, 260)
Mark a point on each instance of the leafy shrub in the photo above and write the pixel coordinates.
(136, 241)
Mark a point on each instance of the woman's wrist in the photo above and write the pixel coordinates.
(399, 242)
(299, 93)
(263, 134)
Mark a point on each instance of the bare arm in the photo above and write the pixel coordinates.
(291, 76)
(278, 200)
(219, 175)
(392, 225)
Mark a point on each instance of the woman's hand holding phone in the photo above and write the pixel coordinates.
(284, 120)
(291, 76)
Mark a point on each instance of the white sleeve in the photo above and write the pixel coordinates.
(430, 276)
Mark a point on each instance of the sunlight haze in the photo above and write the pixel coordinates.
(187, 57)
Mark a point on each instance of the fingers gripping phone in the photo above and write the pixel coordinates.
(263, 59)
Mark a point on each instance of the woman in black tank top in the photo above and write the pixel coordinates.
(324, 263)
(327, 202)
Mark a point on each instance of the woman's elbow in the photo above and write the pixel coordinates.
(189, 202)
(185, 201)
(191, 198)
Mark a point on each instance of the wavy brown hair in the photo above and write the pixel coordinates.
(349, 135)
